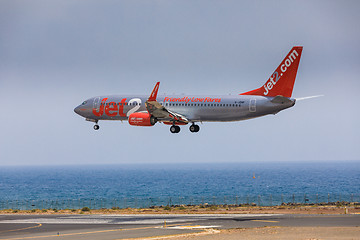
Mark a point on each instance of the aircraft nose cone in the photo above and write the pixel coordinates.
(77, 110)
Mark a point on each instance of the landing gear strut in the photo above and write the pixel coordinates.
(174, 129)
(194, 128)
(96, 126)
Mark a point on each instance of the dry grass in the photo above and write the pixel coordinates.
(219, 209)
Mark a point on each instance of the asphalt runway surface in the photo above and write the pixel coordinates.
(106, 227)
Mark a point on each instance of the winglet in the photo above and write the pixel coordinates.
(154, 92)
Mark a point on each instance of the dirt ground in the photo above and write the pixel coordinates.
(276, 233)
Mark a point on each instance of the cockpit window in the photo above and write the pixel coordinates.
(84, 103)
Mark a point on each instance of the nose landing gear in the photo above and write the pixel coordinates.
(96, 126)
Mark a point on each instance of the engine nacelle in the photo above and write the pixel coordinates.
(142, 119)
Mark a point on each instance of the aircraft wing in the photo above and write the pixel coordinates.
(160, 112)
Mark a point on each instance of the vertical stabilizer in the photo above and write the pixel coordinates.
(281, 82)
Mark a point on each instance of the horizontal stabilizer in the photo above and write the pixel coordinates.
(281, 99)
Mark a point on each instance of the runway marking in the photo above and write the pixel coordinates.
(20, 229)
(80, 233)
(204, 232)
(193, 227)
(265, 221)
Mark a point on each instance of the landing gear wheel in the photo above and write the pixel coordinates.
(174, 129)
(194, 128)
(197, 128)
(96, 127)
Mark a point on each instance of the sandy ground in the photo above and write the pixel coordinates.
(278, 233)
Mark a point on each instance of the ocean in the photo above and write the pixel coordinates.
(164, 184)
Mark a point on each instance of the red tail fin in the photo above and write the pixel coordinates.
(282, 80)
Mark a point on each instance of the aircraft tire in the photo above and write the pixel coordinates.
(197, 128)
(177, 129)
(194, 128)
(174, 129)
(96, 127)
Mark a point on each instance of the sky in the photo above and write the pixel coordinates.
(55, 54)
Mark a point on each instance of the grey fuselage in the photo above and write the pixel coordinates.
(222, 108)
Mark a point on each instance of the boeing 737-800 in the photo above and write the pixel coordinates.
(271, 98)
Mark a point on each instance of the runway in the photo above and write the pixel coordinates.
(140, 226)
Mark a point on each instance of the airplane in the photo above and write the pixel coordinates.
(176, 110)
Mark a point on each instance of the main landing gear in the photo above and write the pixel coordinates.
(193, 128)
(174, 129)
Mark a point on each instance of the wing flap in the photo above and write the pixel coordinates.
(160, 112)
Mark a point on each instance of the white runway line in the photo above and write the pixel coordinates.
(132, 219)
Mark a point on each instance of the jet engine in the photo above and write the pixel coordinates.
(142, 119)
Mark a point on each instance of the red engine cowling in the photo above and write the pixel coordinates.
(141, 119)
